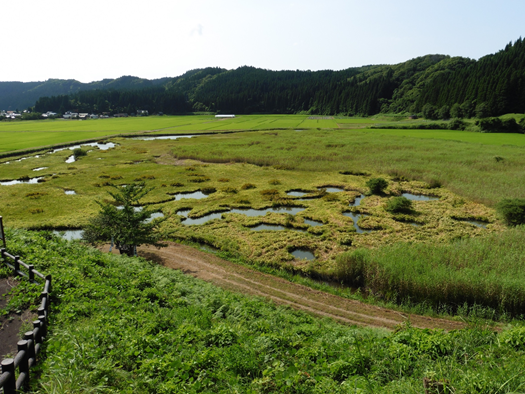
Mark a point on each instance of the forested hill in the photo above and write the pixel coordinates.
(490, 86)
(21, 95)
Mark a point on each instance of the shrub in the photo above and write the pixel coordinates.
(247, 186)
(230, 190)
(457, 124)
(79, 152)
(208, 190)
(377, 185)
(399, 205)
(199, 179)
(269, 192)
(512, 210)
(176, 184)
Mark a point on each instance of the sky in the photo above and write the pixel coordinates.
(90, 41)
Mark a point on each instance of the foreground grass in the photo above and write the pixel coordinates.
(121, 325)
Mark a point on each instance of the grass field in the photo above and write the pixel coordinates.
(475, 171)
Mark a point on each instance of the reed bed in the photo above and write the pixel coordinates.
(469, 273)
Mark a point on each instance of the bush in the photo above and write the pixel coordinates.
(399, 205)
(512, 210)
(230, 190)
(457, 124)
(377, 185)
(79, 152)
(247, 186)
(208, 190)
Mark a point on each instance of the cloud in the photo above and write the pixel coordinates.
(196, 30)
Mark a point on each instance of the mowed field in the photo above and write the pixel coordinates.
(31, 134)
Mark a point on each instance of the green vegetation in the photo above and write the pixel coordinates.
(123, 223)
(512, 210)
(121, 324)
(487, 272)
(399, 205)
(377, 185)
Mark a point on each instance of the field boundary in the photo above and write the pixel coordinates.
(29, 347)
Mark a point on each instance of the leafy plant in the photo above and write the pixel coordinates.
(399, 205)
(377, 185)
(512, 210)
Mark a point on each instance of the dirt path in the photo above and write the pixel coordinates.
(249, 281)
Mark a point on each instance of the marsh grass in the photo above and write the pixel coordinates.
(486, 271)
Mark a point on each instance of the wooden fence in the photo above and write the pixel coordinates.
(29, 347)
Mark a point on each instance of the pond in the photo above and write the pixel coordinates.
(99, 145)
(332, 189)
(18, 182)
(196, 195)
(154, 215)
(312, 223)
(261, 212)
(164, 137)
(69, 235)
(274, 227)
(70, 192)
(184, 212)
(419, 197)
(476, 223)
(294, 193)
(357, 201)
(39, 168)
(303, 254)
(355, 218)
(71, 159)
(203, 219)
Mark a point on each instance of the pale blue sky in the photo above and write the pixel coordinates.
(93, 40)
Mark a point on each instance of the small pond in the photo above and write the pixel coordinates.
(71, 159)
(154, 215)
(39, 168)
(476, 223)
(357, 201)
(262, 212)
(203, 219)
(69, 234)
(332, 189)
(100, 146)
(274, 227)
(18, 182)
(70, 192)
(164, 137)
(312, 223)
(303, 254)
(355, 218)
(184, 212)
(195, 195)
(419, 197)
(296, 193)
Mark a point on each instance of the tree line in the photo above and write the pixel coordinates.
(435, 86)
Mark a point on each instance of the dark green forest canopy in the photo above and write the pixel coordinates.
(437, 85)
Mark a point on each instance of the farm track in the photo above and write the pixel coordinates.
(245, 280)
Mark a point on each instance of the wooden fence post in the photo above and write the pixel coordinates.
(30, 338)
(2, 233)
(8, 365)
(31, 268)
(23, 367)
(17, 264)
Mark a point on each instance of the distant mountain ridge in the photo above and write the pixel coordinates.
(432, 84)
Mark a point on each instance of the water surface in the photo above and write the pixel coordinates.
(419, 197)
(303, 254)
(164, 137)
(196, 195)
(69, 235)
(355, 218)
(31, 181)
